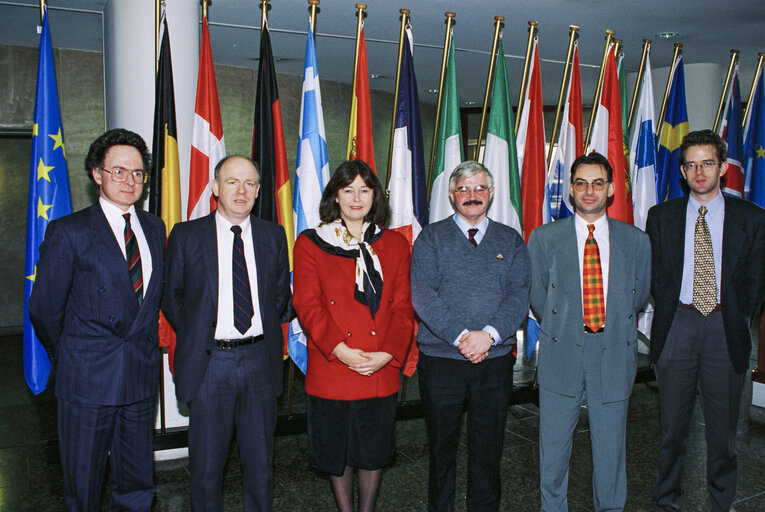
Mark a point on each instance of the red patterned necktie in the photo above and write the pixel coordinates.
(592, 284)
(133, 257)
(471, 236)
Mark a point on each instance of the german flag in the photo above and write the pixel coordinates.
(165, 187)
(274, 202)
(360, 144)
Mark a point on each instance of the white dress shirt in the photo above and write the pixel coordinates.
(224, 328)
(604, 248)
(114, 216)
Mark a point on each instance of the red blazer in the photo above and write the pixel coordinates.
(323, 287)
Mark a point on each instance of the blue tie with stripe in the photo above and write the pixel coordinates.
(241, 284)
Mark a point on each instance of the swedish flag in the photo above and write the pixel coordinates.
(675, 127)
(48, 197)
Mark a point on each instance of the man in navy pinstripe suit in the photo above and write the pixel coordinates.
(95, 306)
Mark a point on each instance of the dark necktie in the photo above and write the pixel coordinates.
(704, 282)
(133, 257)
(471, 236)
(241, 284)
(592, 284)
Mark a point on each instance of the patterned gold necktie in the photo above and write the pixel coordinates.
(704, 282)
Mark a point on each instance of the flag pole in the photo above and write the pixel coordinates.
(617, 47)
(497, 29)
(733, 58)
(312, 10)
(263, 14)
(447, 42)
(641, 70)
(359, 26)
(404, 23)
(204, 9)
(162, 413)
(761, 56)
(598, 89)
(526, 62)
(678, 49)
(43, 5)
(573, 35)
(157, 17)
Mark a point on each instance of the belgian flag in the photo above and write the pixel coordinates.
(274, 202)
(165, 187)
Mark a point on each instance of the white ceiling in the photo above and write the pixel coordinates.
(709, 30)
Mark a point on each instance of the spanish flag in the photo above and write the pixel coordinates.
(165, 187)
(269, 152)
(360, 145)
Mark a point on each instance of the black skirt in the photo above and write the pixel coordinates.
(357, 433)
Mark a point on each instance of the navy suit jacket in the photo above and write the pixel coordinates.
(84, 310)
(190, 301)
(742, 283)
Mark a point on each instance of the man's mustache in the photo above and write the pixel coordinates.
(472, 201)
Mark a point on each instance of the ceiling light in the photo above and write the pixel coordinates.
(373, 76)
(433, 91)
(667, 35)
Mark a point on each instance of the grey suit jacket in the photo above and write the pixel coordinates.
(556, 300)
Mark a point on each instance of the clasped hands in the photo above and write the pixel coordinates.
(475, 345)
(363, 363)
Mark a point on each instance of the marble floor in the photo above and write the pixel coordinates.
(30, 469)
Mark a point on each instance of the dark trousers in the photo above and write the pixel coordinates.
(90, 434)
(235, 394)
(448, 387)
(695, 359)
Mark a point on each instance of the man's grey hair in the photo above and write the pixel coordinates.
(467, 169)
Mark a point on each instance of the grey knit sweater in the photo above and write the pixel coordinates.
(456, 286)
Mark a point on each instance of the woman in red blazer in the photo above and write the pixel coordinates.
(351, 293)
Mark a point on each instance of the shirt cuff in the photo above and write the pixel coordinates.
(494, 334)
(457, 341)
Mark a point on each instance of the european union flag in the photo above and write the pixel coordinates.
(48, 197)
(675, 127)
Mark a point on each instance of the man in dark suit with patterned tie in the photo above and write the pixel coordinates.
(95, 306)
(227, 292)
(707, 283)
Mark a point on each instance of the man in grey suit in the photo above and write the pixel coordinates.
(590, 277)
(470, 289)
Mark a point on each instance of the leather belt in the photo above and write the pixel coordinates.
(717, 307)
(229, 344)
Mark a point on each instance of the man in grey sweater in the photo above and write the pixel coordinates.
(470, 290)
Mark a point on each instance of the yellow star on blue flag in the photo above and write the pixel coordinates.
(49, 197)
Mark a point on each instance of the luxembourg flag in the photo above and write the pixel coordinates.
(207, 144)
(730, 131)
(570, 145)
(643, 150)
(407, 188)
(311, 176)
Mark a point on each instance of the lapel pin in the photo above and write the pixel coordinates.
(500, 257)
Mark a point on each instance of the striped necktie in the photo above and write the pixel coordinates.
(592, 284)
(704, 282)
(133, 257)
(241, 284)
(471, 236)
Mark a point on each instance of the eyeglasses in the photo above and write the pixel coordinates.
(120, 174)
(707, 165)
(479, 190)
(598, 185)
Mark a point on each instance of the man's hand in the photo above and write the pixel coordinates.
(374, 361)
(475, 345)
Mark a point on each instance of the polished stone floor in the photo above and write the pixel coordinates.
(30, 468)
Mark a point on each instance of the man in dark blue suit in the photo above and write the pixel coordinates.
(95, 306)
(708, 282)
(227, 292)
